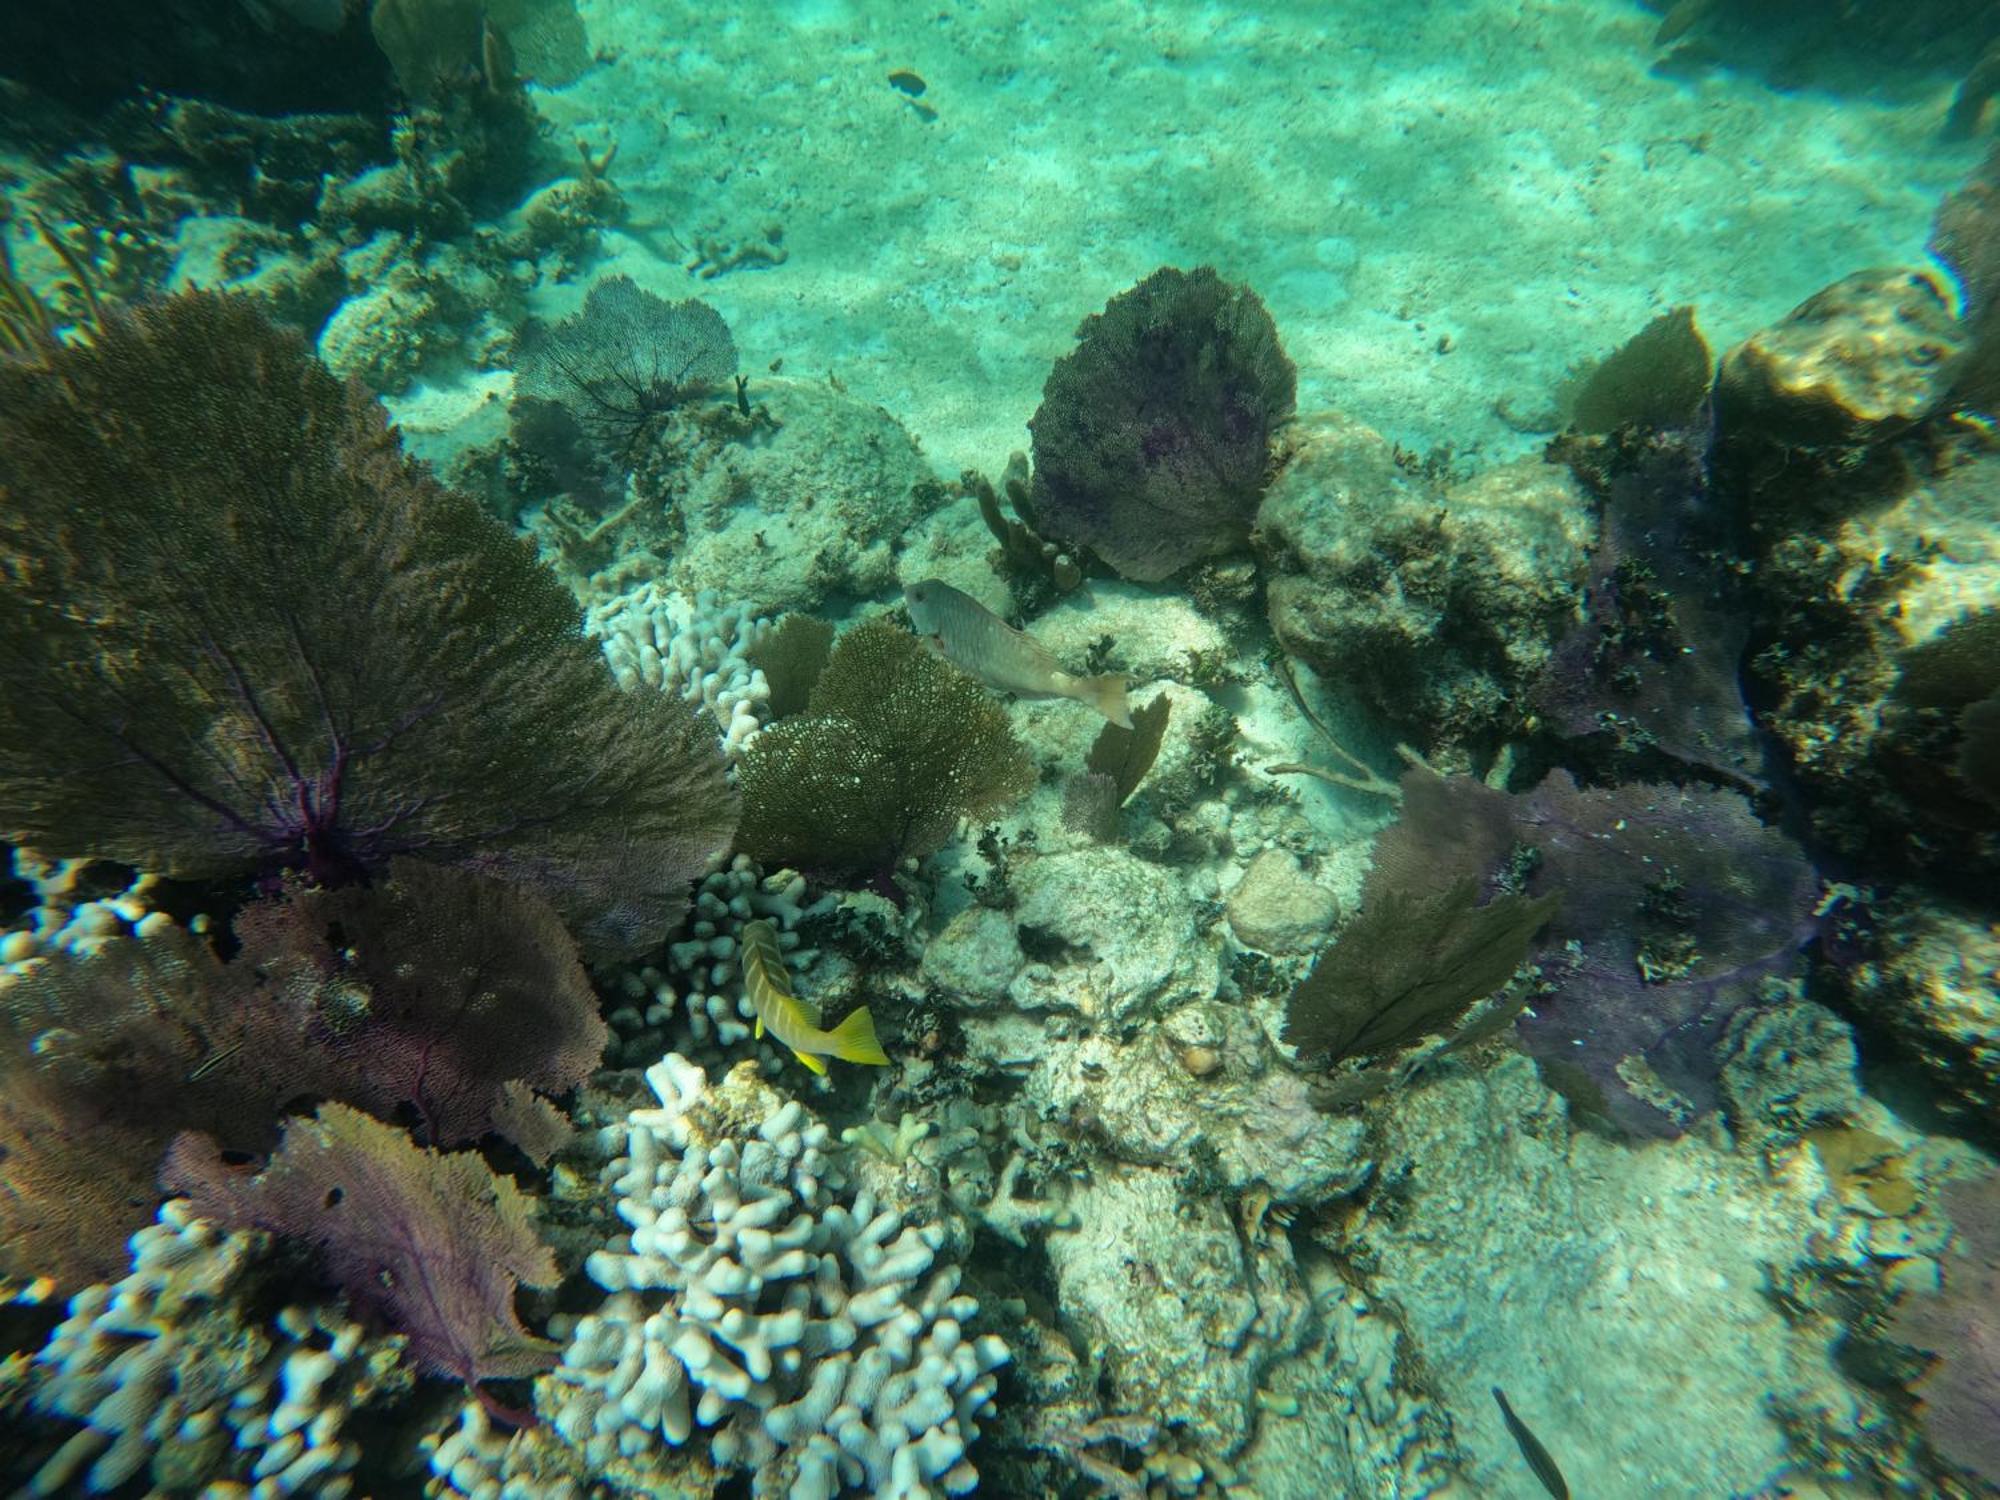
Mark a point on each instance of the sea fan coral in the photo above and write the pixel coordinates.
(1153, 439)
(1678, 904)
(624, 361)
(428, 1244)
(896, 747)
(242, 632)
(432, 994)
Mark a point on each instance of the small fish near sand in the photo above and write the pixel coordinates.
(794, 1021)
(978, 641)
(1543, 1466)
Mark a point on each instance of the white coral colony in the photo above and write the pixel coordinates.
(812, 1329)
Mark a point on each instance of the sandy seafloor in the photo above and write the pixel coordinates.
(1510, 177)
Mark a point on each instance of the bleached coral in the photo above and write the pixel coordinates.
(696, 648)
(68, 917)
(172, 1376)
(483, 1461)
(758, 1296)
(698, 991)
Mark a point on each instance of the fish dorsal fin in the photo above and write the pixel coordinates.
(765, 975)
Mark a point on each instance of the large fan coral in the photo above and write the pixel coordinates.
(242, 632)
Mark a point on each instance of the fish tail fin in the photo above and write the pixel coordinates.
(853, 1040)
(1107, 696)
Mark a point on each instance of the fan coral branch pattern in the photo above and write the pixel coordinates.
(242, 632)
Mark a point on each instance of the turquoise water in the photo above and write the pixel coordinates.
(1146, 750)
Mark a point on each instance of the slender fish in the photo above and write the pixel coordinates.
(1532, 1449)
(794, 1021)
(971, 636)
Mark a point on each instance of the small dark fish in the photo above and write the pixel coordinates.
(903, 81)
(213, 1061)
(1532, 1449)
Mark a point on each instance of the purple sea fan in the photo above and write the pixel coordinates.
(1153, 439)
(426, 1243)
(1678, 906)
(1961, 1325)
(241, 632)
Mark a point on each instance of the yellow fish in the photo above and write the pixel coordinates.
(793, 1021)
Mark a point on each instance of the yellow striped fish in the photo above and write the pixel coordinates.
(793, 1021)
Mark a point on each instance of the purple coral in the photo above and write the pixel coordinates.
(432, 1245)
(1678, 905)
(1961, 1325)
(1153, 439)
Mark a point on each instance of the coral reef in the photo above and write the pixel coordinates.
(760, 1295)
(699, 650)
(1153, 441)
(182, 1372)
(1930, 978)
(1816, 393)
(265, 639)
(1865, 511)
(1436, 605)
(1649, 682)
(800, 506)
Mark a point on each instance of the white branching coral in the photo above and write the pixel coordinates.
(69, 917)
(170, 1374)
(696, 648)
(809, 1328)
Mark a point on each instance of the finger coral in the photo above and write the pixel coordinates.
(896, 747)
(243, 633)
(760, 1295)
(1152, 444)
(185, 1369)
